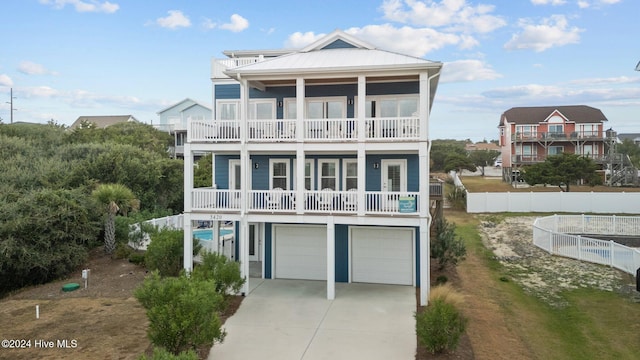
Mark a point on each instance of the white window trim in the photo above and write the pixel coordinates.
(403, 183)
(344, 172)
(287, 171)
(254, 102)
(378, 98)
(221, 102)
(336, 162)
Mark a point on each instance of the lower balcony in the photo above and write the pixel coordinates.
(313, 202)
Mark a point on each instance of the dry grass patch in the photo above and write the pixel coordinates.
(495, 184)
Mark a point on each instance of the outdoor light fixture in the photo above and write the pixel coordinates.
(376, 165)
(350, 101)
(279, 104)
(256, 165)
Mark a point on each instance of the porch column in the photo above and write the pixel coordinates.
(188, 242)
(423, 179)
(244, 110)
(300, 94)
(362, 157)
(186, 219)
(361, 107)
(300, 165)
(213, 170)
(423, 106)
(362, 183)
(244, 254)
(331, 259)
(425, 277)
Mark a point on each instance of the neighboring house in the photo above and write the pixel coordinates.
(482, 146)
(529, 134)
(321, 160)
(102, 122)
(635, 137)
(173, 120)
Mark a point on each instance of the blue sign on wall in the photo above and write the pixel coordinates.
(407, 204)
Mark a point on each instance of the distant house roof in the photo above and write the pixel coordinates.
(482, 146)
(635, 137)
(538, 114)
(103, 121)
(188, 102)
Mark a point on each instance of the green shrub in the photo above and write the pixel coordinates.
(182, 312)
(446, 247)
(224, 273)
(137, 258)
(165, 253)
(457, 197)
(440, 326)
(441, 279)
(162, 354)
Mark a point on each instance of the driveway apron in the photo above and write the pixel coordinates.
(292, 319)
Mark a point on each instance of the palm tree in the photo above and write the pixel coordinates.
(115, 198)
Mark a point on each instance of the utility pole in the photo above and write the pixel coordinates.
(11, 97)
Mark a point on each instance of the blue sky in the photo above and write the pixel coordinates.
(69, 58)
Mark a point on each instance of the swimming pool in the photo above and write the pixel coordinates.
(207, 234)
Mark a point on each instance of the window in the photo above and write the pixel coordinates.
(328, 174)
(526, 130)
(279, 170)
(555, 150)
(181, 138)
(350, 174)
(325, 109)
(262, 110)
(308, 175)
(384, 106)
(556, 129)
(228, 110)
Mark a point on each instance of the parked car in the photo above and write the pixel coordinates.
(498, 162)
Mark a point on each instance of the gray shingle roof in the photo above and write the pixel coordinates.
(538, 114)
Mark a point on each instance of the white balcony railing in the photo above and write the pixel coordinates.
(315, 201)
(218, 66)
(316, 130)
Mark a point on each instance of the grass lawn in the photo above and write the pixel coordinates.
(594, 324)
(495, 184)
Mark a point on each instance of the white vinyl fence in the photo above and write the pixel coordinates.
(557, 234)
(169, 222)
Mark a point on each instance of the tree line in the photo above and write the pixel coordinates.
(49, 219)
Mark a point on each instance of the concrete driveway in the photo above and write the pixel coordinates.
(292, 319)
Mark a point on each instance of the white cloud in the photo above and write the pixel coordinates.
(548, 2)
(174, 20)
(612, 80)
(208, 24)
(454, 14)
(237, 24)
(408, 40)
(551, 32)
(299, 40)
(84, 6)
(5, 80)
(31, 68)
(583, 4)
(467, 70)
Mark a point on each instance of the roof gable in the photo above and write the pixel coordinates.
(338, 39)
(184, 104)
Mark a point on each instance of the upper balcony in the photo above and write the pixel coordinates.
(218, 66)
(557, 136)
(311, 130)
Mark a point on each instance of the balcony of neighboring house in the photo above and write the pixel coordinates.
(556, 136)
(310, 130)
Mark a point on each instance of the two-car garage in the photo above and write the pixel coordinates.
(380, 255)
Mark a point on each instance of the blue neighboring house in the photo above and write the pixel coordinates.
(173, 119)
(321, 160)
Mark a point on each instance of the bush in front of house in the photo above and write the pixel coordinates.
(165, 252)
(224, 273)
(182, 312)
(446, 247)
(441, 324)
(162, 354)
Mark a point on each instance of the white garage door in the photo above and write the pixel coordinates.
(300, 252)
(382, 256)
